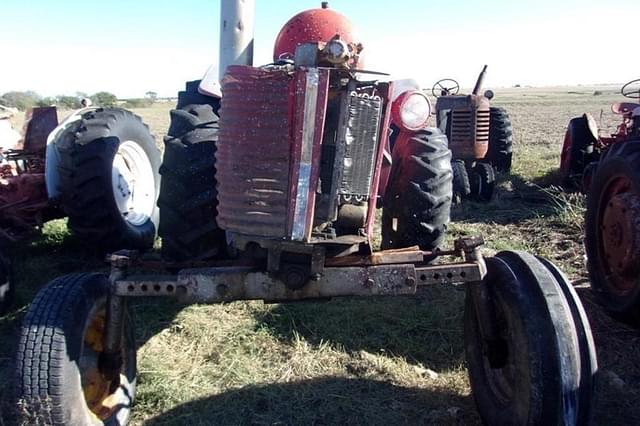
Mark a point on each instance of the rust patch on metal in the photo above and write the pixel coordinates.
(621, 234)
(404, 255)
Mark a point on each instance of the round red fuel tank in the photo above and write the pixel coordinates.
(310, 26)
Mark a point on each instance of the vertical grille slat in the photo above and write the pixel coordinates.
(361, 142)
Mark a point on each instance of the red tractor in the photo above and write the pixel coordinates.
(612, 181)
(270, 193)
(584, 145)
(480, 137)
(99, 168)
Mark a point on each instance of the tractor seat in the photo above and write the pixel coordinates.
(624, 107)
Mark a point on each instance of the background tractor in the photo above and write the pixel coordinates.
(99, 168)
(584, 145)
(480, 137)
(270, 193)
(609, 168)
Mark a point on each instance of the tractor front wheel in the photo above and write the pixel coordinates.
(418, 197)
(612, 227)
(483, 181)
(586, 345)
(461, 184)
(531, 372)
(59, 379)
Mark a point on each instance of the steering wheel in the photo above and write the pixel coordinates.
(631, 89)
(445, 87)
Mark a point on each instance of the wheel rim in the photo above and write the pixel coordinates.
(619, 230)
(501, 380)
(133, 183)
(103, 398)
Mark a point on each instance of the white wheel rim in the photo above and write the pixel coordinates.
(133, 183)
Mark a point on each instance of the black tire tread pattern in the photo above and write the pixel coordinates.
(188, 194)
(483, 179)
(500, 151)
(44, 349)
(419, 193)
(86, 155)
(461, 183)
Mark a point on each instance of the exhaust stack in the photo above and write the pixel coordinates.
(237, 18)
(478, 86)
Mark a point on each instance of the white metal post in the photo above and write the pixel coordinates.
(237, 18)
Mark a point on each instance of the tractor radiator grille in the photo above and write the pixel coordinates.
(469, 133)
(482, 126)
(360, 145)
(253, 155)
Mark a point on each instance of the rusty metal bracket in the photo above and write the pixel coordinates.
(224, 284)
(244, 284)
(110, 359)
(211, 285)
(452, 273)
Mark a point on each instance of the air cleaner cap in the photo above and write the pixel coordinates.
(313, 26)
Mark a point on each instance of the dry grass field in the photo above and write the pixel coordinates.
(382, 361)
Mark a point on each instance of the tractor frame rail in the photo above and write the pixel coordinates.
(386, 273)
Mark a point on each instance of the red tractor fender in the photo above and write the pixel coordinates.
(400, 141)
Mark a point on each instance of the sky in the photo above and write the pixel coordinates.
(130, 47)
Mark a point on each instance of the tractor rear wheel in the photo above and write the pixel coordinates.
(109, 181)
(500, 139)
(188, 195)
(58, 370)
(612, 227)
(418, 197)
(483, 180)
(578, 150)
(534, 375)
(461, 185)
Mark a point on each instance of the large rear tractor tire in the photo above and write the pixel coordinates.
(109, 181)
(188, 195)
(578, 150)
(58, 376)
(418, 198)
(612, 227)
(534, 372)
(500, 140)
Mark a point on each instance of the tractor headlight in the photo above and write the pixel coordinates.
(411, 110)
(337, 51)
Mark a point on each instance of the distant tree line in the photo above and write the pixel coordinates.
(28, 99)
